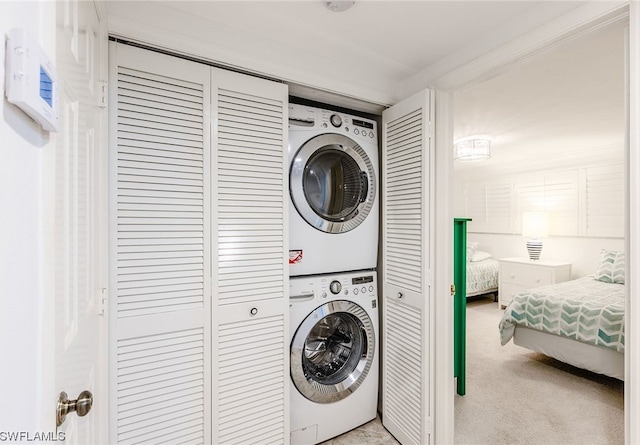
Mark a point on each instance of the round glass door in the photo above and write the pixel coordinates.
(332, 351)
(332, 183)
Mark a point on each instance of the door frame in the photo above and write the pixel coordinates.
(581, 21)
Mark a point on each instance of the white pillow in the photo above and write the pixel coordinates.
(479, 255)
(471, 248)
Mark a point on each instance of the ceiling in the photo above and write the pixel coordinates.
(377, 51)
(567, 104)
(567, 101)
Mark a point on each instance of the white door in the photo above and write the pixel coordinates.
(79, 212)
(198, 253)
(160, 361)
(407, 258)
(250, 260)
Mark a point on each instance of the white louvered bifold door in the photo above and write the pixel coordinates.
(160, 304)
(407, 193)
(250, 264)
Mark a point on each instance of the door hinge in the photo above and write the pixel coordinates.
(102, 301)
(103, 87)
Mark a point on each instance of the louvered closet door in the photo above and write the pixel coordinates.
(407, 255)
(160, 360)
(250, 316)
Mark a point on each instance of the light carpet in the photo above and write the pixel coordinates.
(516, 396)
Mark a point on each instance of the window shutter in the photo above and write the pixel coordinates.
(553, 193)
(489, 205)
(561, 200)
(605, 201)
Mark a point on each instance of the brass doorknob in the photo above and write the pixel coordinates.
(81, 406)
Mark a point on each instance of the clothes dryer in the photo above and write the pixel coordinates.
(334, 354)
(333, 185)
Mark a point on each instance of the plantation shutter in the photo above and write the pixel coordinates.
(160, 336)
(557, 195)
(561, 202)
(605, 201)
(251, 304)
(489, 207)
(406, 263)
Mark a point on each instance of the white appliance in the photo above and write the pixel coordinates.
(334, 354)
(333, 185)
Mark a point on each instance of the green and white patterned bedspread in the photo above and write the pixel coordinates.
(482, 276)
(585, 309)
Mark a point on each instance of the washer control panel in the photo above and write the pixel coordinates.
(363, 285)
(354, 285)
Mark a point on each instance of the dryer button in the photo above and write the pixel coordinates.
(324, 295)
(346, 291)
(356, 131)
(370, 288)
(364, 289)
(355, 291)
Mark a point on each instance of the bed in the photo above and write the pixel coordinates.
(579, 322)
(482, 277)
(482, 272)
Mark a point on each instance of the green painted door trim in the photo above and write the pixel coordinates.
(460, 302)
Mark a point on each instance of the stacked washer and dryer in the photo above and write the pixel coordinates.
(333, 243)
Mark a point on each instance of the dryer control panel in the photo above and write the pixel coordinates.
(302, 117)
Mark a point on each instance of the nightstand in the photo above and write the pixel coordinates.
(518, 274)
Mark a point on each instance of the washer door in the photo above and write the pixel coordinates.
(332, 351)
(332, 183)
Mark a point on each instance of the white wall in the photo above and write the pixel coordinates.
(23, 148)
(583, 253)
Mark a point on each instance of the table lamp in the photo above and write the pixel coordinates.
(534, 225)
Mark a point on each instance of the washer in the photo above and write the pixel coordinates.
(333, 185)
(334, 354)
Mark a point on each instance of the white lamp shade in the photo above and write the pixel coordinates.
(535, 224)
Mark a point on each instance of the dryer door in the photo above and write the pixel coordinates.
(332, 183)
(332, 351)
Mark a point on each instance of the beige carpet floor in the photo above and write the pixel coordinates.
(515, 396)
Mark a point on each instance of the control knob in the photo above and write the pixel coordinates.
(336, 120)
(335, 287)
